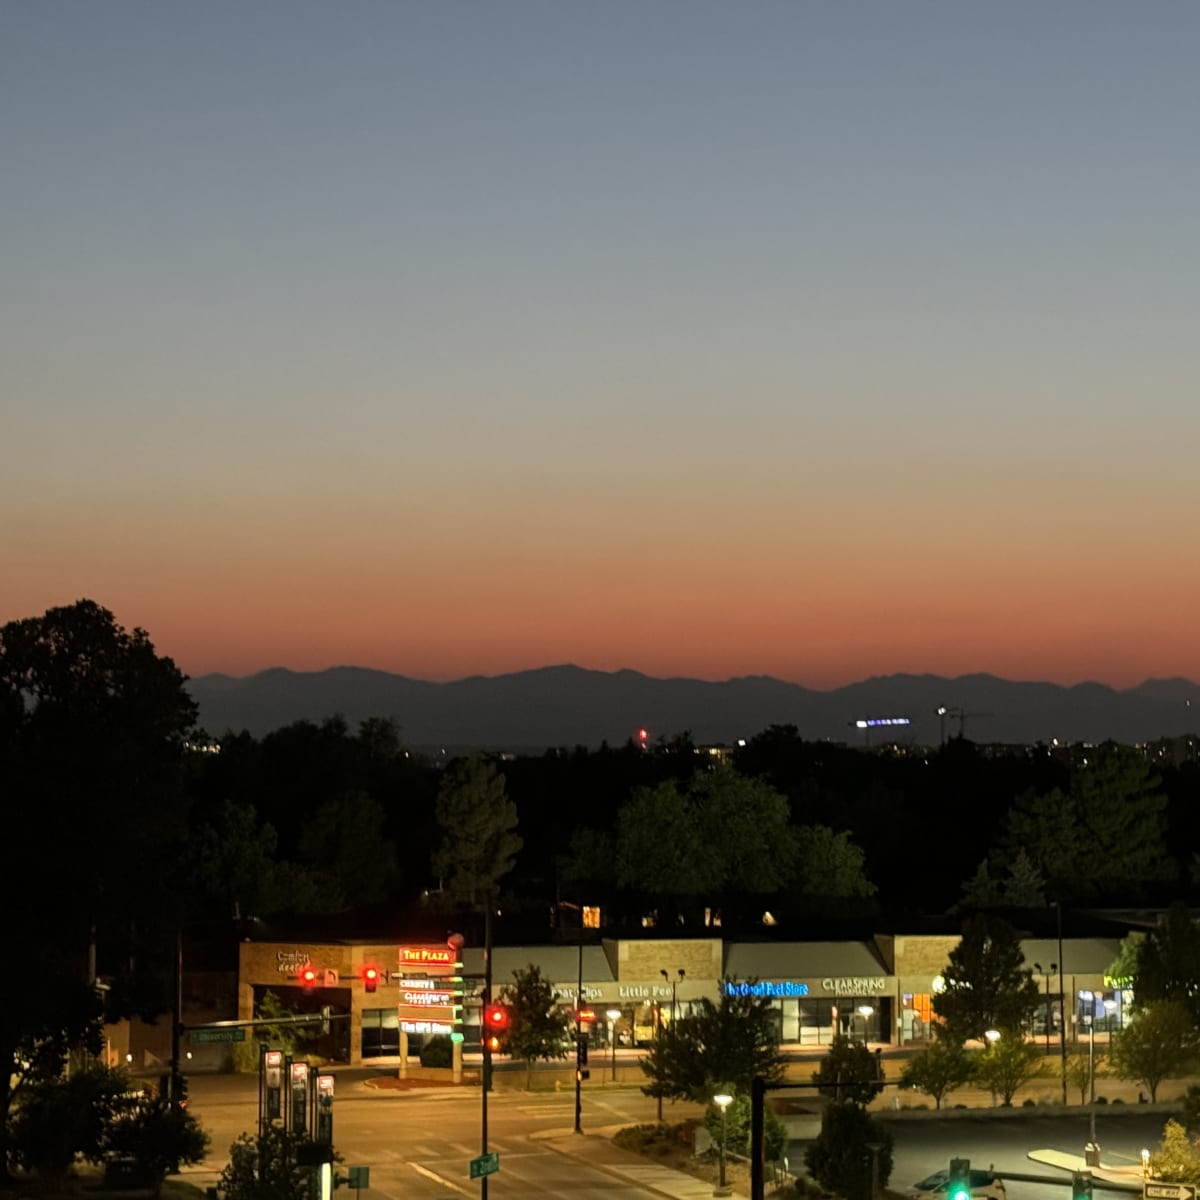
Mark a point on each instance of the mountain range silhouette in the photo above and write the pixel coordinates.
(569, 706)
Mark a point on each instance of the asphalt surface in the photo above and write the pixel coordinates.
(418, 1144)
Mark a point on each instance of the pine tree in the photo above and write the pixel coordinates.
(477, 822)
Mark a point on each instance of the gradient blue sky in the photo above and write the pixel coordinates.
(811, 340)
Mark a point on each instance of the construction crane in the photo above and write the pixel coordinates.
(960, 715)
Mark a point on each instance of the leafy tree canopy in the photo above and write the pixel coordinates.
(725, 1044)
(1007, 1064)
(537, 1026)
(1160, 1043)
(1167, 961)
(1104, 836)
(719, 834)
(938, 1070)
(849, 1071)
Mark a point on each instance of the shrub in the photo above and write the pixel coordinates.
(437, 1051)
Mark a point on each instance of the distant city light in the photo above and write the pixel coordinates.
(871, 722)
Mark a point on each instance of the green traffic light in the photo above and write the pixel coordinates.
(960, 1193)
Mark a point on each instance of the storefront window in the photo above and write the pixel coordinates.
(380, 1033)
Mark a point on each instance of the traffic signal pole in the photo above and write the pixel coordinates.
(484, 1039)
(579, 1035)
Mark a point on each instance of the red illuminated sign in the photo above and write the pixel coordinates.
(427, 956)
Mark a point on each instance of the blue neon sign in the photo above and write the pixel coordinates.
(776, 989)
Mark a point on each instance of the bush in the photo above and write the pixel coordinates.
(150, 1140)
(64, 1119)
(268, 1167)
(737, 1129)
(838, 1160)
(437, 1051)
(1191, 1109)
(652, 1138)
(1029, 1102)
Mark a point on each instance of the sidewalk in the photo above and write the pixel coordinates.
(1126, 1175)
(595, 1148)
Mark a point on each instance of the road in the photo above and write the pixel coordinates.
(418, 1144)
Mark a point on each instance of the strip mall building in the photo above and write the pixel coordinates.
(880, 990)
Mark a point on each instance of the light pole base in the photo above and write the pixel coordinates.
(722, 1189)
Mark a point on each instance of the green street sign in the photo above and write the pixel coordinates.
(485, 1164)
(359, 1177)
(228, 1034)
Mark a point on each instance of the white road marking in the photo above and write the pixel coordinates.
(438, 1179)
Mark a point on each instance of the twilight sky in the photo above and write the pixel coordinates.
(810, 339)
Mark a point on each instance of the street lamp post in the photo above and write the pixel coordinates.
(614, 1015)
(667, 976)
(722, 1102)
(1049, 1012)
(866, 1011)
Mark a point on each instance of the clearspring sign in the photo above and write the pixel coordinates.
(765, 987)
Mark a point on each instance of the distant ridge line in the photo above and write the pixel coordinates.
(568, 705)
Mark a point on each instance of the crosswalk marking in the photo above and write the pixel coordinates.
(438, 1179)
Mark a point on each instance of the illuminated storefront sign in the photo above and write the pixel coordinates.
(428, 957)
(856, 985)
(429, 998)
(765, 987)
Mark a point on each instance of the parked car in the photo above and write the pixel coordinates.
(985, 1185)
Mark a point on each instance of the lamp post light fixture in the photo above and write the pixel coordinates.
(866, 1011)
(673, 982)
(722, 1101)
(613, 1015)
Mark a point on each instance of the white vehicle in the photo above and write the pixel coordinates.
(985, 1185)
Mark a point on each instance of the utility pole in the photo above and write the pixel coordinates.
(177, 1018)
(1062, 1002)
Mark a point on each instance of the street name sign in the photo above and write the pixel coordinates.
(485, 1164)
(1169, 1191)
(229, 1034)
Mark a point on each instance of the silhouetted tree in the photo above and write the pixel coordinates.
(477, 824)
(1105, 835)
(987, 985)
(1167, 961)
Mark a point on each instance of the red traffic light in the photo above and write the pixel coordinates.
(496, 1016)
(370, 978)
(308, 977)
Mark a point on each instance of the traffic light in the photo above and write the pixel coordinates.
(308, 978)
(959, 1183)
(1081, 1185)
(370, 978)
(495, 1025)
